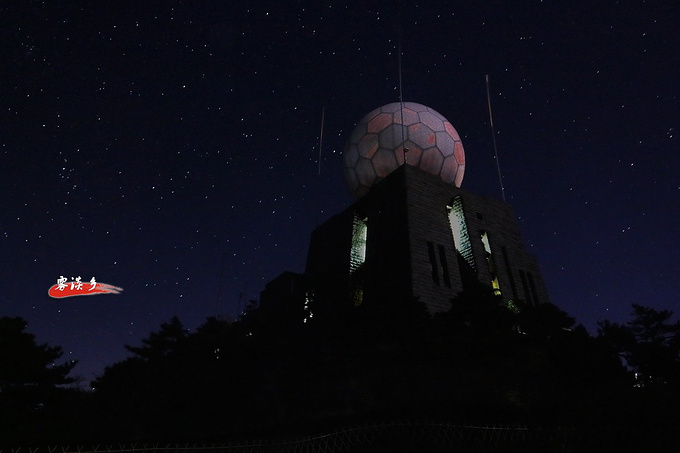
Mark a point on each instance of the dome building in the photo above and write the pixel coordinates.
(412, 232)
(389, 136)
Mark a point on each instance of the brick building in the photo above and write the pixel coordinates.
(415, 236)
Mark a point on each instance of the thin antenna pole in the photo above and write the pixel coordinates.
(401, 102)
(323, 116)
(319, 208)
(493, 137)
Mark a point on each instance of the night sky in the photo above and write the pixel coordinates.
(171, 148)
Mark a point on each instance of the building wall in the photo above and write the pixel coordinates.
(428, 202)
(328, 259)
(284, 292)
(387, 277)
(410, 250)
(428, 224)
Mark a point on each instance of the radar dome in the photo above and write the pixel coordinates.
(376, 146)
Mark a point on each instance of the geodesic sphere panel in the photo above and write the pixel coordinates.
(376, 146)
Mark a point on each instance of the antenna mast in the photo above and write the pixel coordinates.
(493, 137)
(323, 116)
(319, 208)
(401, 102)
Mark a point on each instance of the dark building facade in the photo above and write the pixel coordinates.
(416, 237)
(284, 292)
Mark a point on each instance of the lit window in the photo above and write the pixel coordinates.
(491, 263)
(461, 239)
(357, 258)
(358, 252)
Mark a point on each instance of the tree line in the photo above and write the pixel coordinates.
(273, 373)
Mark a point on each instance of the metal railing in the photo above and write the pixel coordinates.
(403, 435)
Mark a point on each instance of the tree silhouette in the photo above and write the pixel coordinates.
(162, 343)
(29, 381)
(649, 343)
(144, 393)
(272, 373)
(25, 363)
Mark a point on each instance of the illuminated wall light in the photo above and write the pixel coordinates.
(309, 295)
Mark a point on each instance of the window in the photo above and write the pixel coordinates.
(357, 258)
(434, 266)
(461, 239)
(509, 270)
(445, 266)
(433, 263)
(491, 263)
(525, 286)
(534, 294)
(358, 252)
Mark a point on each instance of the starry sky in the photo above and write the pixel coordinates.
(172, 148)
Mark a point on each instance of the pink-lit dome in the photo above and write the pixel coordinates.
(374, 149)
